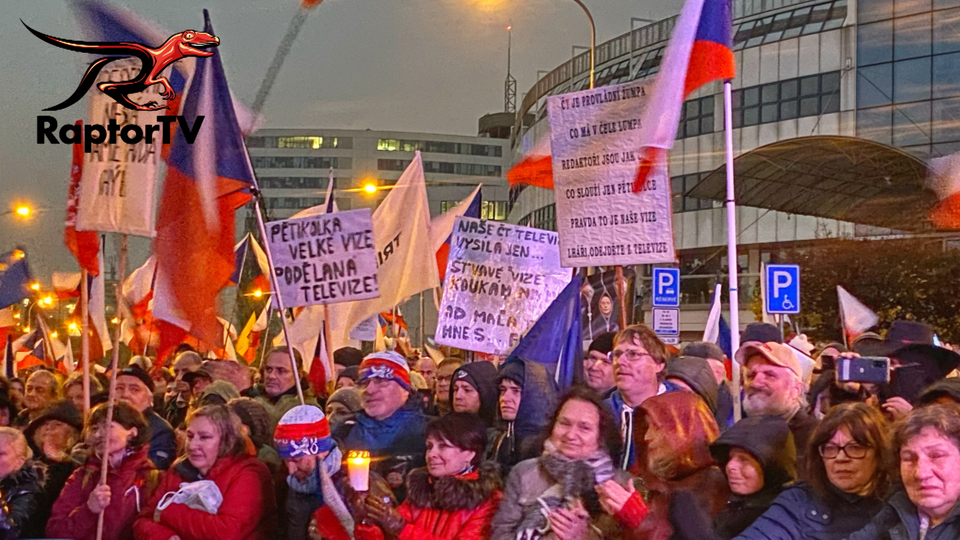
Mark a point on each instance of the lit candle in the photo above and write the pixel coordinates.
(358, 468)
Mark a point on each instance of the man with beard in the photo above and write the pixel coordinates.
(772, 386)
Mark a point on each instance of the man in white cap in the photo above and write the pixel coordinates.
(303, 441)
(773, 386)
(388, 427)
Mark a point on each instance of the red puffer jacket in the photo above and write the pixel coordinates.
(450, 507)
(248, 511)
(130, 486)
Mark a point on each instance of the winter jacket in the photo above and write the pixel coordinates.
(769, 440)
(899, 520)
(802, 425)
(19, 496)
(398, 440)
(163, 443)
(623, 416)
(55, 478)
(451, 507)
(482, 376)
(677, 460)
(279, 405)
(529, 482)
(130, 487)
(248, 511)
(800, 514)
(517, 440)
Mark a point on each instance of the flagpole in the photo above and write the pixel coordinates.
(277, 297)
(266, 334)
(112, 399)
(422, 313)
(732, 266)
(85, 339)
(281, 55)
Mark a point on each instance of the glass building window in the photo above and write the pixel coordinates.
(874, 43)
(789, 24)
(912, 37)
(946, 120)
(911, 124)
(696, 117)
(874, 85)
(875, 124)
(874, 10)
(909, 7)
(946, 75)
(786, 100)
(946, 31)
(911, 80)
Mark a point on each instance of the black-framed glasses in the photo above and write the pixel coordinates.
(853, 450)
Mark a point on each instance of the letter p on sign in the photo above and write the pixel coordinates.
(666, 285)
(782, 289)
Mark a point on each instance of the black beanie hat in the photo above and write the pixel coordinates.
(138, 372)
(602, 343)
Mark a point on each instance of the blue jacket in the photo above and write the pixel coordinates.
(163, 443)
(399, 440)
(799, 514)
(617, 407)
(899, 521)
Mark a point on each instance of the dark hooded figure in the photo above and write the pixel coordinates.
(473, 389)
(758, 458)
(942, 392)
(527, 396)
(694, 374)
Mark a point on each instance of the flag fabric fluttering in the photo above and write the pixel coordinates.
(249, 339)
(700, 51)
(944, 180)
(320, 371)
(259, 275)
(856, 317)
(84, 245)
(441, 227)
(555, 339)
(28, 350)
(14, 278)
(536, 167)
(206, 182)
(66, 284)
(711, 332)
(100, 342)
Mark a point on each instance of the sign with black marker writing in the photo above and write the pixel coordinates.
(324, 259)
(595, 147)
(500, 279)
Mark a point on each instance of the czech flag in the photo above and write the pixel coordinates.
(206, 182)
(536, 167)
(14, 278)
(700, 51)
(441, 227)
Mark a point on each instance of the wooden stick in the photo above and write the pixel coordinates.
(85, 339)
(111, 400)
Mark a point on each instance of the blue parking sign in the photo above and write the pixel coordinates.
(666, 287)
(782, 288)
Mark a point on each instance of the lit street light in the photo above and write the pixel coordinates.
(370, 188)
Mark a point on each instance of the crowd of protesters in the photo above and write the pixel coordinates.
(645, 447)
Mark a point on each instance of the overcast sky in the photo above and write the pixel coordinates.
(408, 65)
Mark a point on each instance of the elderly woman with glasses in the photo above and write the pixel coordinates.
(927, 442)
(846, 481)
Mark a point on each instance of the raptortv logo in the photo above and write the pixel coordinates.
(152, 63)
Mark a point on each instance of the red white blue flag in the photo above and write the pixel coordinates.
(206, 182)
(700, 51)
(441, 227)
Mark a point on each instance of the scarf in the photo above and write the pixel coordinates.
(574, 480)
(321, 485)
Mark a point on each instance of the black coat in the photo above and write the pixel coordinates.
(519, 439)
(899, 521)
(482, 376)
(19, 496)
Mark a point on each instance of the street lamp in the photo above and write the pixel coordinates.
(369, 188)
(22, 210)
(593, 40)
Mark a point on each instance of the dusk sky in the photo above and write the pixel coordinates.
(406, 65)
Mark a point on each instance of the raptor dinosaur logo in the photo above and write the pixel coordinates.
(153, 62)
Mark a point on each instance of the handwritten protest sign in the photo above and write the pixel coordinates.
(500, 279)
(595, 147)
(324, 259)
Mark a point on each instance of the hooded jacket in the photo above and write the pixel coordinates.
(130, 486)
(696, 373)
(624, 418)
(482, 376)
(676, 458)
(769, 441)
(516, 440)
(899, 520)
(449, 507)
(248, 511)
(20, 493)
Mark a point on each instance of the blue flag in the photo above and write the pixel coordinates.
(14, 278)
(554, 340)
(723, 340)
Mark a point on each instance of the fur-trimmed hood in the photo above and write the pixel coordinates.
(453, 493)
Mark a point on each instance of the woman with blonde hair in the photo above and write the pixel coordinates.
(21, 483)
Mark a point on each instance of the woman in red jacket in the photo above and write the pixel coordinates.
(131, 479)
(216, 451)
(455, 496)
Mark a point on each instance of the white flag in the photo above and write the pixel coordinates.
(406, 263)
(711, 332)
(857, 318)
(98, 305)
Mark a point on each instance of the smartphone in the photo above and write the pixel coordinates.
(864, 369)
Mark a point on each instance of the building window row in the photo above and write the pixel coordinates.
(879, 10)
(790, 24)
(444, 167)
(301, 162)
(684, 183)
(696, 118)
(490, 210)
(542, 218)
(312, 142)
(439, 147)
(298, 182)
(292, 203)
(785, 100)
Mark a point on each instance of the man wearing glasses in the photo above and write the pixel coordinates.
(638, 358)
